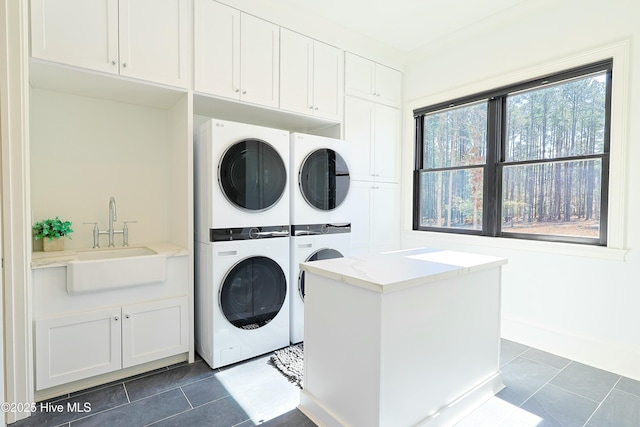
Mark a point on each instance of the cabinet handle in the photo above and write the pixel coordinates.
(116, 318)
(127, 316)
(316, 108)
(114, 62)
(124, 65)
(237, 90)
(244, 92)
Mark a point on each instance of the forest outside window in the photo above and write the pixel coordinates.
(526, 161)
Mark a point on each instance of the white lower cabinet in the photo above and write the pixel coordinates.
(376, 229)
(82, 345)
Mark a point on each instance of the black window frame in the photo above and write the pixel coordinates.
(495, 156)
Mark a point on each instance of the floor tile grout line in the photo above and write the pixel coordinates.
(126, 392)
(637, 396)
(546, 364)
(185, 396)
(602, 401)
(167, 418)
(548, 381)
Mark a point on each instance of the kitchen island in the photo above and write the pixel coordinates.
(401, 339)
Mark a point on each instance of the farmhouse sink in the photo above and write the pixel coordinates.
(105, 269)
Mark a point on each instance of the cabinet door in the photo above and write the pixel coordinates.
(328, 69)
(76, 32)
(216, 49)
(386, 143)
(296, 72)
(388, 85)
(359, 76)
(358, 130)
(154, 330)
(70, 348)
(385, 217)
(359, 192)
(259, 61)
(153, 40)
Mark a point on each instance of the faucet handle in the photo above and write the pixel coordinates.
(96, 234)
(125, 232)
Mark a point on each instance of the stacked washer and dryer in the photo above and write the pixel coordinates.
(320, 212)
(242, 241)
(265, 201)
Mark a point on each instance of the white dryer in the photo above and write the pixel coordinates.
(319, 180)
(320, 243)
(241, 176)
(242, 302)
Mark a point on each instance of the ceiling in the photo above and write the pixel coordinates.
(404, 24)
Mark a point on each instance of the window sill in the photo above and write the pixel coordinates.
(434, 239)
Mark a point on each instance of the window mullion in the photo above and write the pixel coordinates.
(492, 182)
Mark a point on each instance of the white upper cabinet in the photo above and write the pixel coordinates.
(373, 81)
(310, 76)
(374, 131)
(115, 36)
(236, 55)
(76, 32)
(154, 40)
(216, 45)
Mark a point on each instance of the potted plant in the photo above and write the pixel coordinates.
(52, 231)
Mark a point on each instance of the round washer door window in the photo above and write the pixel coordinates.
(252, 175)
(253, 292)
(324, 179)
(316, 256)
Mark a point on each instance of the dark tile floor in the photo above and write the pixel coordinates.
(541, 390)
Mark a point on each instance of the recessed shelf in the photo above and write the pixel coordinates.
(237, 111)
(93, 84)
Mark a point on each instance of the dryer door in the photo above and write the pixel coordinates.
(324, 179)
(253, 292)
(252, 175)
(316, 256)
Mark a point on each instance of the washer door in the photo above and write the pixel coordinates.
(324, 179)
(252, 175)
(316, 256)
(253, 292)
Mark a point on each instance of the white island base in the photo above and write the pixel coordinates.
(409, 338)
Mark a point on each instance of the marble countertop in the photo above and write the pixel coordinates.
(41, 259)
(394, 271)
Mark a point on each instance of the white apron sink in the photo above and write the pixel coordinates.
(106, 269)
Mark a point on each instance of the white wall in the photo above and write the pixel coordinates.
(581, 303)
(84, 150)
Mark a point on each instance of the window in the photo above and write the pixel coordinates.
(526, 161)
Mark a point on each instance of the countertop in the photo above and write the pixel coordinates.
(393, 271)
(41, 259)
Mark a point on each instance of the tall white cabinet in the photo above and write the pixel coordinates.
(236, 55)
(115, 36)
(372, 124)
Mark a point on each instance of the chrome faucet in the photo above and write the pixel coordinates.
(111, 232)
(112, 219)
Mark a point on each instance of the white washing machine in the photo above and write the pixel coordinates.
(319, 180)
(242, 301)
(241, 177)
(320, 243)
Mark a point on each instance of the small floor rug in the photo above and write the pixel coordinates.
(290, 361)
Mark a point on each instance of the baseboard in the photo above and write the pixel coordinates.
(317, 412)
(455, 411)
(447, 416)
(600, 353)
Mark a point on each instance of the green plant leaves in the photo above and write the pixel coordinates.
(51, 228)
